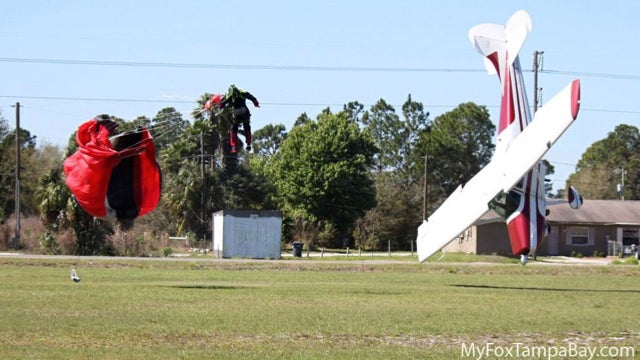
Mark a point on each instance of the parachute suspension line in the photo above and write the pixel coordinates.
(158, 130)
(164, 131)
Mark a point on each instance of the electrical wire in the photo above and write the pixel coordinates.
(298, 67)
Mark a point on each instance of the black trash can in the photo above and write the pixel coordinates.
(297, 249)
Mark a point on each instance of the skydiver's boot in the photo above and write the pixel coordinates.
(233, 138)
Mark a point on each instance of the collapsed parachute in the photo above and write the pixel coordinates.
(115, 176)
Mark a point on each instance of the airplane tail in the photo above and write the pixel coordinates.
(500, 44)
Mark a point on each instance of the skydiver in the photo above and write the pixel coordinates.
(236, 98)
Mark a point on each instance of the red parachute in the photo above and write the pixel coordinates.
(115, 176)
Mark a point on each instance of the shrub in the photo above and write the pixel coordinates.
(167, 251)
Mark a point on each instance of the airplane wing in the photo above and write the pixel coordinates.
(463, 207)
(469, 201)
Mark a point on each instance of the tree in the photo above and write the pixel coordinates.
(398, 192)
(302, 119)
(606, 162)
(354, 111)
(383, 125)
(394, 219)
(548, 186)
(322, 175)
(267, 140)
(195, 186)
(191, 189)
(167, 126)
(29, 173)
(395, 138)
(458, 144)
(215, 127)
(53, 196)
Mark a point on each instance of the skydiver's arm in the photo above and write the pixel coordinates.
(225, 102)
(247, 95)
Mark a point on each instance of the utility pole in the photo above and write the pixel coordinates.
(537, 65)
(622, 189)
(425, 191)
(202, 189)
(16, 239)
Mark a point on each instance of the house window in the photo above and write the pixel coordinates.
(579, 236)
(630, 236)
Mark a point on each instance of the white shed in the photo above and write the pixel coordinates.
(247, 234)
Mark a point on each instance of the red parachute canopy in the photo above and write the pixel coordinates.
(116, 176)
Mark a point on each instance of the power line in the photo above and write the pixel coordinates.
(264, 103)
(158, 100)
(295, 67)
(96, 99)
(234, 66)
(591, 74)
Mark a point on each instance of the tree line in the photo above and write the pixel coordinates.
(356, 177)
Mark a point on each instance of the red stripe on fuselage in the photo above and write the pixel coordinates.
(528, 221)
(507, 114)
(493, 57)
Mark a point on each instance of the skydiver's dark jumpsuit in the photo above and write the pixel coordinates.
(237, 97)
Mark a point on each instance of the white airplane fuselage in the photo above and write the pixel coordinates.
(525, 216)
(512, 183)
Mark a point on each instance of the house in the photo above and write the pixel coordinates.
(598, 227)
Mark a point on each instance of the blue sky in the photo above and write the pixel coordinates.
(321, 51)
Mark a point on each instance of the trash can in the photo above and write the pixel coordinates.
(297, 249)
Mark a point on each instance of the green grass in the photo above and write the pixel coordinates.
(203, 309)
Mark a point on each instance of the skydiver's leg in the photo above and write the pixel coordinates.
(233, 137)
(246, 124)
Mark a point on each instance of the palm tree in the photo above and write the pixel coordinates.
(53, 197)
(215, 128)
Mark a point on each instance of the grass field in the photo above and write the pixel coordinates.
(307, 309)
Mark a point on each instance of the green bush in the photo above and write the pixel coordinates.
(167, 251)
(49, 244)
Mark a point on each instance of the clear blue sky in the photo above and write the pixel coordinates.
(415, 44)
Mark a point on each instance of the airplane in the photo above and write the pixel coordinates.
(512, 183)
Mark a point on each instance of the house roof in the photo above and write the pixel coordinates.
(596, 212)
(603, 212)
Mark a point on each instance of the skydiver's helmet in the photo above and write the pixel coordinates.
(233, 91)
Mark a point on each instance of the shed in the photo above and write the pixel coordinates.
(247, 234)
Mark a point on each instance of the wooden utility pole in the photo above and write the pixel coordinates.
(622, 189)
(537, 64)
(424, 191)
(16, 239)
(203, 220)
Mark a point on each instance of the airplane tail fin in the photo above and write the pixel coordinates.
(500, 44)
